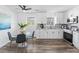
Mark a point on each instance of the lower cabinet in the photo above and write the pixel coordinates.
(49, 34)
(76, 39)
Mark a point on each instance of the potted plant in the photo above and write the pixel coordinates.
(22, 26)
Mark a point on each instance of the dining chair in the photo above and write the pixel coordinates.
(30, 35)
(11, 38)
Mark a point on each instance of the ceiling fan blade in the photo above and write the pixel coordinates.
(24, 7)
(21, 7)
(28, 9)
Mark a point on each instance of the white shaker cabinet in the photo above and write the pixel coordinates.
(59, 18)
(60, 34)
(76, 39)
(49, 34)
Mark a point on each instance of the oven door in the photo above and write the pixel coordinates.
(67, 36)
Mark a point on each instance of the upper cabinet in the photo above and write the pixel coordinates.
(41, 18)
(61, 18)
(50, 17)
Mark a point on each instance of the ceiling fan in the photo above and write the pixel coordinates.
(23, 7)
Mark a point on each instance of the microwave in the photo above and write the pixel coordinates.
(73, 20)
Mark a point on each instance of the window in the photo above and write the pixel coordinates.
(30, 20)
(51, 20)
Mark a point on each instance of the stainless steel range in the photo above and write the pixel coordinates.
(68, 35)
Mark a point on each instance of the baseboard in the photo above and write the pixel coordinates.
(50, 38)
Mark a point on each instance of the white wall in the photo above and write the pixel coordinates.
(3, 33)
(38, 18)
(42, 17)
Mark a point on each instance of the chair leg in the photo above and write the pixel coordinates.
(10, 43)
(17, 45)
(33, 41)
(24, 44)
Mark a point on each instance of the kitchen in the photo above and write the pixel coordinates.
(63, 25)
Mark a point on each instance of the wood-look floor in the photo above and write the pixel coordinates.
(41, 46)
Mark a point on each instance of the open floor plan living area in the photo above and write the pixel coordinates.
(39, 28)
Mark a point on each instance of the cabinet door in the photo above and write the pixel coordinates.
(44, 35)
(76, 42)
(50, 34)
(60, 18)
(76, 39)
(54, 34)
(41, 34)
(60, 35)
(37, 34)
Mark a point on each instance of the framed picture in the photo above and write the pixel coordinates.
(5, 21)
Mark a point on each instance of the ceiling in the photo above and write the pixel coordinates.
(42, 8)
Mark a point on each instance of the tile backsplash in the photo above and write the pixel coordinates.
(45, 26)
